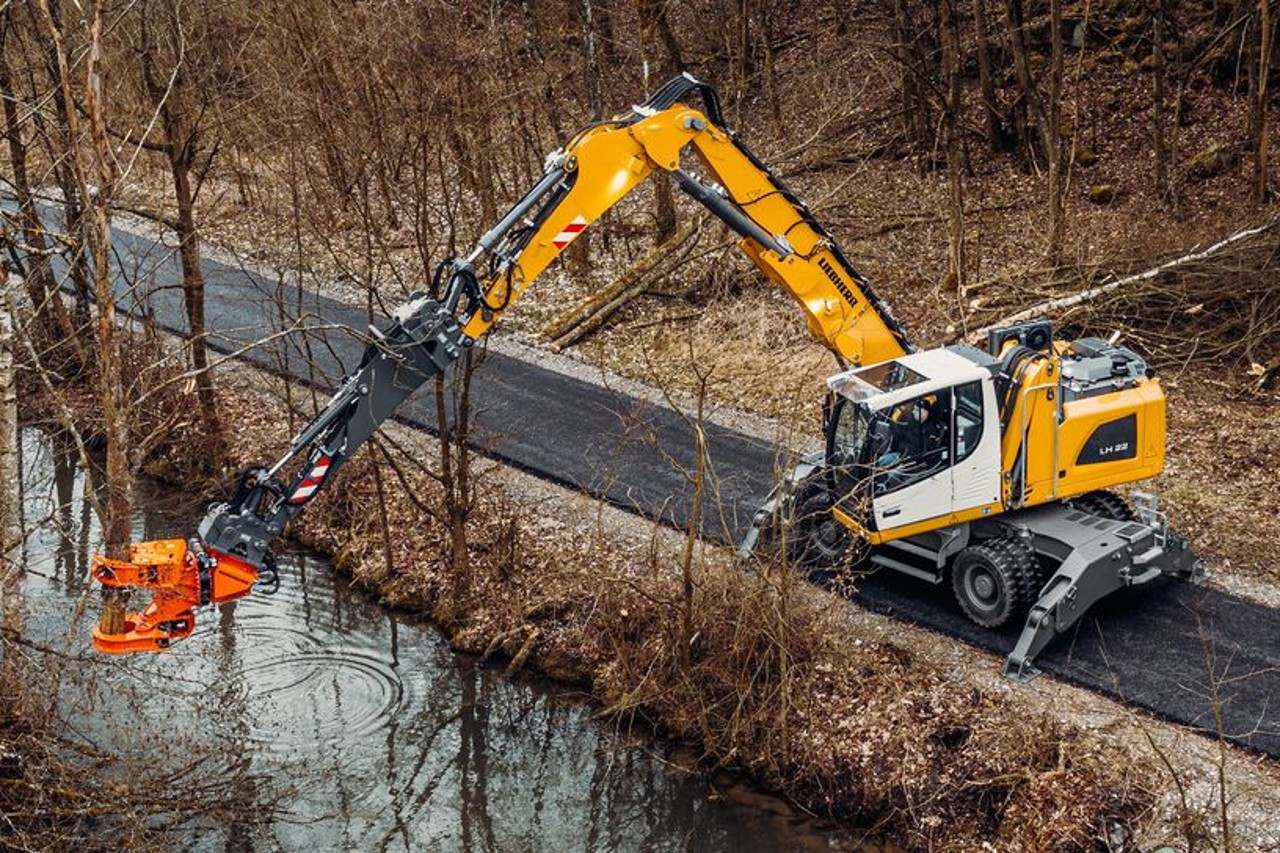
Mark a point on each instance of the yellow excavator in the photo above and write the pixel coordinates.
(987, 469)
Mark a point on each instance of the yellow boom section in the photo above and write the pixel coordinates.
(605, 162)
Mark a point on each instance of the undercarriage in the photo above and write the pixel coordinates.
(1046, 565)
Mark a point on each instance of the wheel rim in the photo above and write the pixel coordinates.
(828, 539)
(982, 588)
(822, 541)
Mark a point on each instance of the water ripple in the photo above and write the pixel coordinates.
(321, 696)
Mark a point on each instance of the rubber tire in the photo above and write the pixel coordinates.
(1008, 567)
(816, 541)
(1105, 504)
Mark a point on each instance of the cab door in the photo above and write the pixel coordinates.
(975, 480)
(848, 442)
(912, 471)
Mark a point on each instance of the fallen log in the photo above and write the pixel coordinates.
(1060, 303)
(590, 314)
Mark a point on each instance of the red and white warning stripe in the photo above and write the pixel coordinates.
(313, 481)
(573, 229)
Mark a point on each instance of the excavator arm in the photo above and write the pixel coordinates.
(606, 161)
(231, 555)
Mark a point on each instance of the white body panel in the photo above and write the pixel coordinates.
(926, 499)
(975, 480)
(971, 482)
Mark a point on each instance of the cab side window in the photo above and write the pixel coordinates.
(968, 419)
(919, 442)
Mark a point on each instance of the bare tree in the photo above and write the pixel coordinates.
(1047, 116)
(167, 59)
(1053, 133)
(59, 138)
(953, 109)
(456, 480)
(654, 25)
(916, 121)
(1258, 113)
(1160, 20)
(997, 133)
(55, 327)
(10, 472)
(91, 158)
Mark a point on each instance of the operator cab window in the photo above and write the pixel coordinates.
(968, 419)
(919, 443)
(851, 434)
(889, 376)
(851, 443)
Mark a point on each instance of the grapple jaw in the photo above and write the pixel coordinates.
(182, 575)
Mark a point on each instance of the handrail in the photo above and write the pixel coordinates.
(1022, 431)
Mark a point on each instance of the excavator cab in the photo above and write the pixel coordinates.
(913, 443)
(915, 467)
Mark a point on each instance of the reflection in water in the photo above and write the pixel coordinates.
(377, 736)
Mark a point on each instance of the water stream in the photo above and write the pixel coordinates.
(373, 733)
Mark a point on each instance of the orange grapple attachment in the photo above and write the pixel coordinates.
(182, 579)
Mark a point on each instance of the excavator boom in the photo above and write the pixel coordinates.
(230, 555)
(605, 162)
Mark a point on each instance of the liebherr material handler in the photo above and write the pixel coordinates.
(986, 469)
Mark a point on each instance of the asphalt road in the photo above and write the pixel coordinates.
(1150, 647)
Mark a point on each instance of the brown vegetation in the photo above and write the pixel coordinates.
(772, 681)
(976, 157)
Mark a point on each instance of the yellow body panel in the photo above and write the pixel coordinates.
(1053, 447)
(879, 537)
(1081, 417)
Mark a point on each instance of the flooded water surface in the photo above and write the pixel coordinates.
(368, 731)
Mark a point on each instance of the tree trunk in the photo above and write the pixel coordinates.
(1032, 104)
(915, 119)
(169, 93)
(10, 475)
(455, 479)
(52, 321)
(1052, 135)
(1265, 36)
(593, 81)
(951, 62)
(653, 21)
(118, 521)
(1158, 123)
(996, 133)
(117, 527)
(62, 152)
(1047, 118)
(193, 294)
(685, 651)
